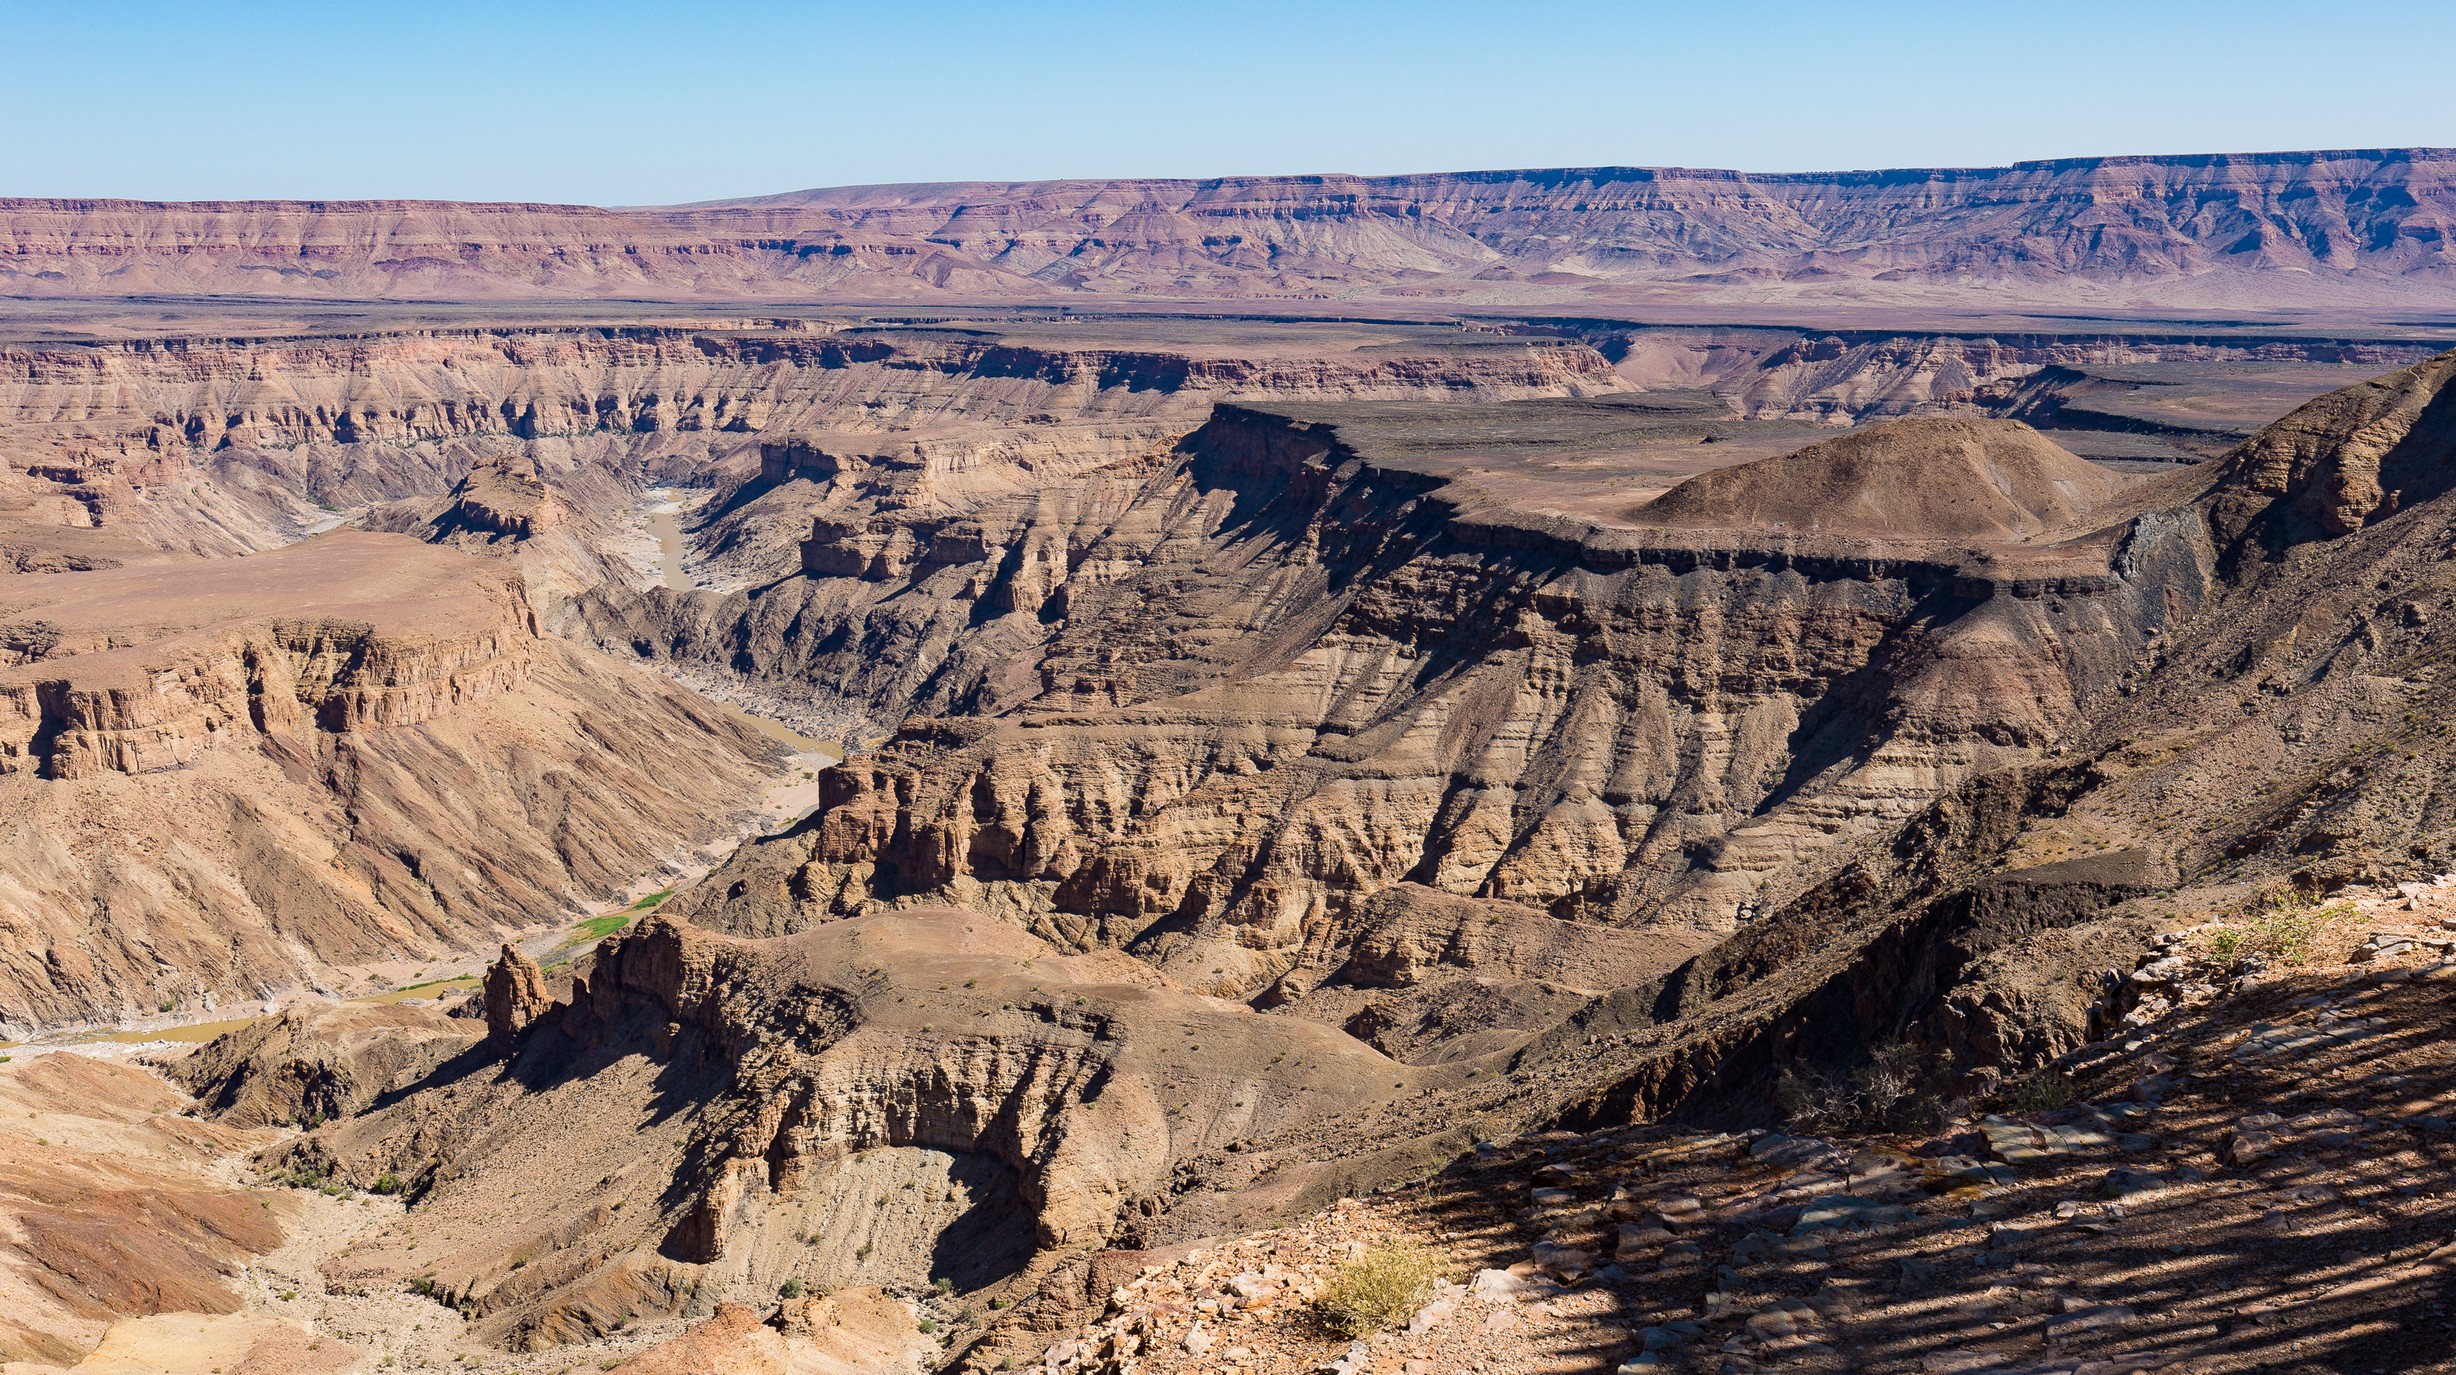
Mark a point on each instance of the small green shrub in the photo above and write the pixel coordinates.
(791, 1289)
(387, 1183)
(1378, 1290)
(2044, 1091)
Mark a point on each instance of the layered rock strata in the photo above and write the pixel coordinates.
(1281, 669)
(219, 779)
(2316, 227)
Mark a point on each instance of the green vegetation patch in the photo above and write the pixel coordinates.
(598, 928)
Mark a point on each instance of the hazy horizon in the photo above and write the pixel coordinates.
(625, 104)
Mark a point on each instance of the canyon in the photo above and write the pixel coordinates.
(744, 827)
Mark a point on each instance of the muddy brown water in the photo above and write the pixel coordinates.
(668, 532)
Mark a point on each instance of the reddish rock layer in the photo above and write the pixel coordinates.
(2357, 227)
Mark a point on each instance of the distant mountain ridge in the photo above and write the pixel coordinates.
(2366, 232)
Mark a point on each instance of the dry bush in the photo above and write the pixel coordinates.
(1813, 1100)
(1378, 1290)
(1895, 1089)
(2283, 927)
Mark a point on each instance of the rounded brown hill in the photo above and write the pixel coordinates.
(1921, 479)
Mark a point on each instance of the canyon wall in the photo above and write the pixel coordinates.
(223, 780)
(2356, 230)
(1209, 703)
(229, 446)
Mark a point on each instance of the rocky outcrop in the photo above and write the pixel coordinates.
(138, 670)
(786, 1073)
(502, 499)
(2347, 459)
(836, 1334)
(315, 1064)
(514, 991)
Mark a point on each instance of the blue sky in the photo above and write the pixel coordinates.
(626, 103)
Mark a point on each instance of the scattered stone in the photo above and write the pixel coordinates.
(1565, 1261)
(1963, 1170)
(2267, 1042)
(2018, 1143)
(2065, 1326)
(1669, 1336)
(1496, 1285)
(1633, 1240)
(2122, 1183)
(1843, 1210)
(1679, 1209)
(1782, 1318)
(1778, 1149)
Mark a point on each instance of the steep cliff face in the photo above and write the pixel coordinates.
(2358, 226)
(220, 779)
(488, 437)
(1288, 667)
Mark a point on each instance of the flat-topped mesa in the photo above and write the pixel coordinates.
(2359, 227)
(505, 499)
(1917, 481)
(136, 670)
